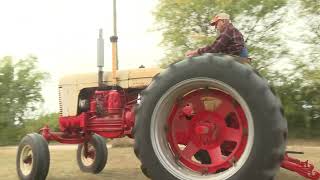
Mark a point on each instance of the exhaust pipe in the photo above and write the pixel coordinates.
(100, 57)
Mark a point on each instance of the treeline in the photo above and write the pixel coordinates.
(11, 135)
(20, 97)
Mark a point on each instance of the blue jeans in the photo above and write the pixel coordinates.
(244, 53)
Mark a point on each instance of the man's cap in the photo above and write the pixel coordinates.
(219, 17)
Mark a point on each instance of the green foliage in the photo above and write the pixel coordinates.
(20, 89)
(20, 93)
(312, 6)
(311, 16)
(301, 100)
(49, 119)
(300, 90)
(12, 135)
(185, 25)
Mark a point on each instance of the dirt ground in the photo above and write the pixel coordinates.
(122, 164)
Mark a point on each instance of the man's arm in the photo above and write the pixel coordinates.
(219, 44)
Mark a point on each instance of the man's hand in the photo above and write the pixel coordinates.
(192, 53)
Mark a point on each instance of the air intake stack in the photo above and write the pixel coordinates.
(114, 41)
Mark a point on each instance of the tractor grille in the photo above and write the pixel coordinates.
(60, 101)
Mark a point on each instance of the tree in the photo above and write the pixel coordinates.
(311, 13)
(35, 125)
(20, 89)
(299, 87)
(312, 6)
(184, 24)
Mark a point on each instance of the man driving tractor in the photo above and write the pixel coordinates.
(230, 40)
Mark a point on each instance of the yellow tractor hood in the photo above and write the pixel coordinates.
(133, 78)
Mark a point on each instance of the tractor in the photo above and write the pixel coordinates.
(211, 117)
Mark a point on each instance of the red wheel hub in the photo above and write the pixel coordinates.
(202, 129)
(207, 120)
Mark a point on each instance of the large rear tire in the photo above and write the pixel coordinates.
(97, 156)
(33, 158)
(210, 117)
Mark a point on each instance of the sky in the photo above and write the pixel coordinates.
(63, 35)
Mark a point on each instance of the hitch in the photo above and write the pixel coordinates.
(305, 168)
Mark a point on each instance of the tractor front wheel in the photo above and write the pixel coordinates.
(210, 117)
(95, 159)
(33, 158)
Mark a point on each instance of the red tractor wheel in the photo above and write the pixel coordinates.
(33, 158)
(96, 157)
(210, 117)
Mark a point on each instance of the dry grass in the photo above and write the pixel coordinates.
(304, 142)
(122, 164)
(122, 142)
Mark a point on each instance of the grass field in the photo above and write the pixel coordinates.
(122, 164)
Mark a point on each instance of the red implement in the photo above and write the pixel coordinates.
(305, 169)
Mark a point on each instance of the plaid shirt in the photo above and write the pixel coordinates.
(230, 41)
